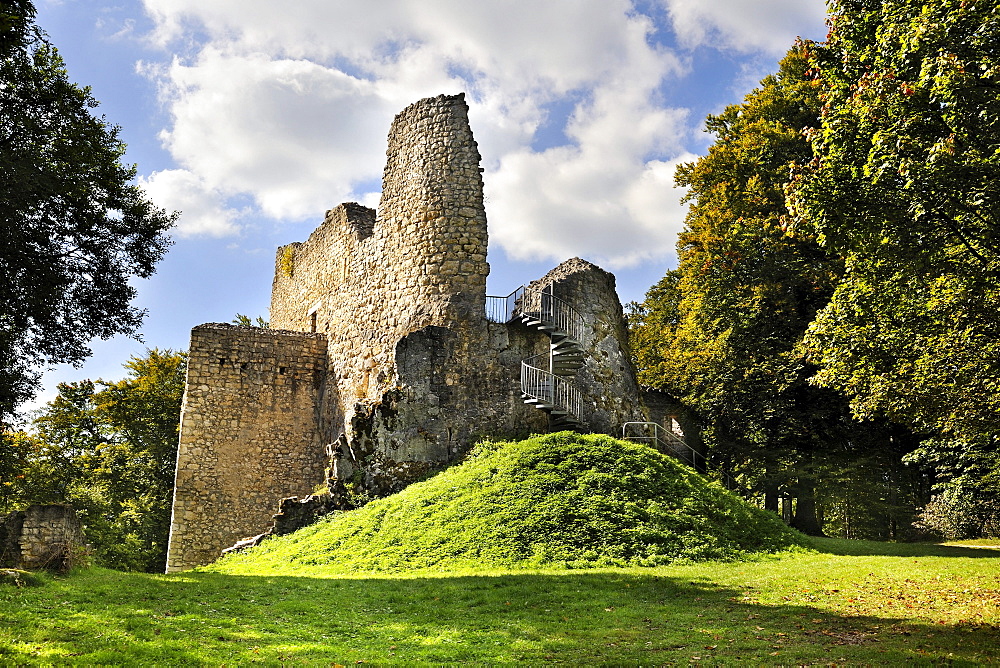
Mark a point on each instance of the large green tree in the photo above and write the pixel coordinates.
(76, 228)
(109, 449)
(905, 186)
(722, 332)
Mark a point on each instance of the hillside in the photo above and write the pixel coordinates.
(558, 500)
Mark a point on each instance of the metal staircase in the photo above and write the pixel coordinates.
(546, 378)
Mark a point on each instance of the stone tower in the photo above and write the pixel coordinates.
(381, 364)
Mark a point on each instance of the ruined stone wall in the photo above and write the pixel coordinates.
(607, 381)
(387, 364)
(368, 281)
(668, 412)
(249, 435)
(41, 537)
(401, 297)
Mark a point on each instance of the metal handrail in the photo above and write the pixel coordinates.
(539, 306)
(549, 388)
(497, 310)
(670, 443)
(538, 303)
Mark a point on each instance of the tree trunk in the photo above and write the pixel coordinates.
(805, 519)
(771, 489)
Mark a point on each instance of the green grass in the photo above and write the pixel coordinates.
(561, 549)
(977, 542)
(560, 500)
(848, 602)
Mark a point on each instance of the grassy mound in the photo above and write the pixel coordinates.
(558, 500)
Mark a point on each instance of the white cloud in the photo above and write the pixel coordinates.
(203, 211)
(559, 204)
(289, 104)
(746, 25)
(295, 135)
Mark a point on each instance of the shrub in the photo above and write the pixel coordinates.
(955, 514)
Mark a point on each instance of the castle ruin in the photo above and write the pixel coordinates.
(385, 359)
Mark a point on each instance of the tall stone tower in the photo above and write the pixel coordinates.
(381, 364)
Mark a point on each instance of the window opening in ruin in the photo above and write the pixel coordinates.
(281, 370)
(222, 361)
(312, 322)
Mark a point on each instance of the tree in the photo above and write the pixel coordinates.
(109, 449)
(722, 332)
(76, 228)
(246, 321)
(905, 186)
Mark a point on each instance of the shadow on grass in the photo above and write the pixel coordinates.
(868, 548)
(575, 617)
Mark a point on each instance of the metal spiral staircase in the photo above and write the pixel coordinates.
(546, 378)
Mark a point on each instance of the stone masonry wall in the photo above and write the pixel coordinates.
(41, 536)
(396, 289)
(385, 366)
(668, 412)
(368, 281)
(249, 435)
(610, 393)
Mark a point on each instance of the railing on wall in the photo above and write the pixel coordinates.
(545, 380)
(497, 309)
(548, 391)
(660, 438)
(540, 304)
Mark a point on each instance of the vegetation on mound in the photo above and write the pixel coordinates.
(558, 500)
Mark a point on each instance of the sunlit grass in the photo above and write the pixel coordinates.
(978, 542)
(856, 602)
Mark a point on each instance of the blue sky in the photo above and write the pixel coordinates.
(252, 117)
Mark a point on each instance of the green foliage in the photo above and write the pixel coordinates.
(868, 492)
(108, 449)
(77, 229)
(652, 328)
(562, 499)
(17, 449)
(956, 513)
(904, 186)
(722, 331)
(247, 321)
(286, 260)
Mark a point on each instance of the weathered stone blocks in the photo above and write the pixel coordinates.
(249, 435)
(41, 537)
(381, 365)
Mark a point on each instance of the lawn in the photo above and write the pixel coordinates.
(846, 602)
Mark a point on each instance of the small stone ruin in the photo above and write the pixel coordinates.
(47, 537)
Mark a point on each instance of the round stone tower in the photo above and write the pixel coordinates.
(432, 210)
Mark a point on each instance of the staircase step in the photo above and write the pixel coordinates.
(566, 353)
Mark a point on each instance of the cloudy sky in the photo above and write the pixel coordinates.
(253, 117)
